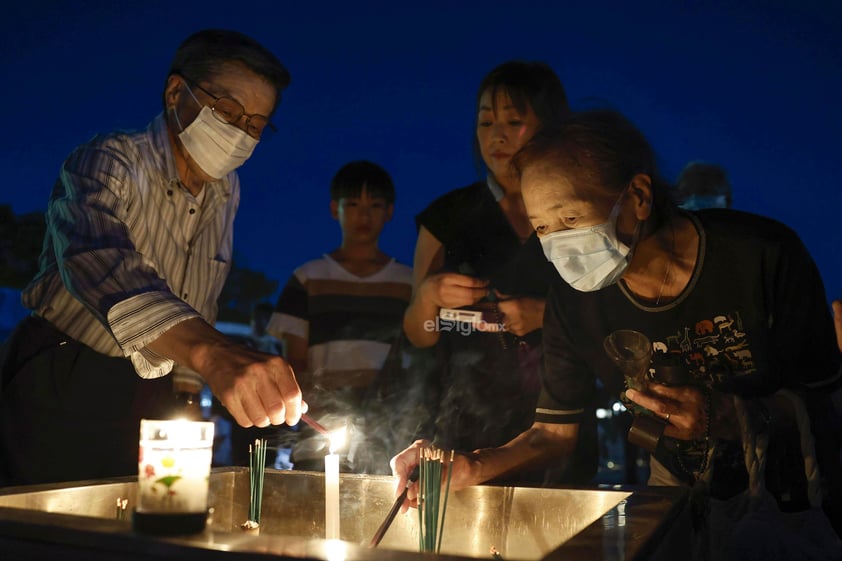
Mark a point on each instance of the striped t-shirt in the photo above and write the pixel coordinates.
(348, 321)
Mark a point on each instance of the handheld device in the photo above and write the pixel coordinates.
(461, 315)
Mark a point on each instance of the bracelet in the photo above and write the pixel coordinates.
(708, 414)
(498, 317)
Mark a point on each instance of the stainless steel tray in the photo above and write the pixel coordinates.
(520, 523)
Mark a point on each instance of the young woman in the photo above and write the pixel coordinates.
(476, 249)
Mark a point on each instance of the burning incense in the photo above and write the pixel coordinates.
(318, 428)
(121, 508)
(446, 494)
(430, 507)
(257, 467)
(384, 527)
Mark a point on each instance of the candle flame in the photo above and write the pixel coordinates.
(337, 440)
(336, 550)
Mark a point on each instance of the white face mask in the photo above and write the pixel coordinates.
(589, 258)
(218, 148)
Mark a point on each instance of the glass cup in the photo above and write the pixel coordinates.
(174, 464)
(631, 351)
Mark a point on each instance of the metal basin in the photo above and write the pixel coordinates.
(519, 523)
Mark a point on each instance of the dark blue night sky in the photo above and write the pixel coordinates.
(754, 88)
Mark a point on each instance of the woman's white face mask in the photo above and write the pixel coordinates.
(216, 147)
(589, 258)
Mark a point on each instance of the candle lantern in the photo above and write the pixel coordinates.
(174, 464)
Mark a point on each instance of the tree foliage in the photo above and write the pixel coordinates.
(242, 291)
(21, 238)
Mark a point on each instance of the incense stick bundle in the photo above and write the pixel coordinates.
(257, 467)
(431, 504)
(446, 494)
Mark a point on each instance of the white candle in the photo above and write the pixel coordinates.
(332, 487)
(332, 497)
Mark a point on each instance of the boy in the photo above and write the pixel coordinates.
(339, 315)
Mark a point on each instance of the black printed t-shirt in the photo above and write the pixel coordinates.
(752, 320)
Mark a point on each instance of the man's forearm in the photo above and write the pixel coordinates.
(189, 343)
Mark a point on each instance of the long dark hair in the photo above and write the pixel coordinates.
(528, 84)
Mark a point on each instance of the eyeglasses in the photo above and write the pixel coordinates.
(230, 111)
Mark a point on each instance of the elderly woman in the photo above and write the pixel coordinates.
(733, 300)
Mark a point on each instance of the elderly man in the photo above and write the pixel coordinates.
(138, 246)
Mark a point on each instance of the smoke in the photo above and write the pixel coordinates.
(380, 420)
(487, 394)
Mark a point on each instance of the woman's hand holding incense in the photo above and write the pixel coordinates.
(405, 462)
(402, 466)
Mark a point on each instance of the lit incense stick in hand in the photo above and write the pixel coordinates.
(381, 531)
(318, 428)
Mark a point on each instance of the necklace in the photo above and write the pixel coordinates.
(669, 265)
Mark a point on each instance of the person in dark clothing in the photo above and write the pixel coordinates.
(732, 299)
(703, 185)
(477, 254)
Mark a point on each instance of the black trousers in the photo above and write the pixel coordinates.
(69, 413)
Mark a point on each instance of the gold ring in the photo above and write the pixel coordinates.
(667, 418)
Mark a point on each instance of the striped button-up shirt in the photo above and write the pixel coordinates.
(119, 265)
